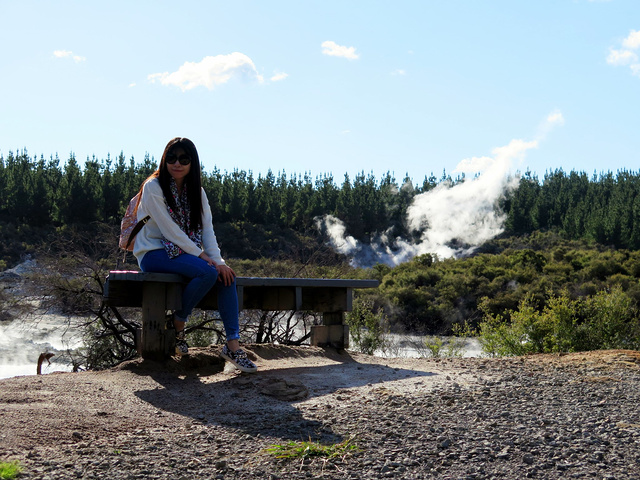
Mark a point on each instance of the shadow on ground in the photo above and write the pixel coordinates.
(263, 403)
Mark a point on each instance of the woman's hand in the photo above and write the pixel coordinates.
(226, 274)
(207, 259)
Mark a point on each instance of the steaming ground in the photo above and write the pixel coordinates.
(25, 335)
(451, 220)
(22, 341)
(414, 346)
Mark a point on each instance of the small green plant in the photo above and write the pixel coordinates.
(10, 470)
(308, 449)
(201, 338)
(368, 327)
(444, 347)
(434, 345)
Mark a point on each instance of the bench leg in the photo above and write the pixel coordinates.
(332, 333)
(155, 342)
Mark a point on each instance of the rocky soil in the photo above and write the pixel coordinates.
(545, 417)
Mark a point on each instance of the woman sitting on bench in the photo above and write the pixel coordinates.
(179, 238)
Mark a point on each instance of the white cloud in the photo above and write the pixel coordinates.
(555, 118)
(627, 55)
(209, 72)
(68, 53)
(333, 49)
(399, 72)
(279, 76)
(621, 57)
(633, 40)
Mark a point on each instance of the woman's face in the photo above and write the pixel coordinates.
(176, 169)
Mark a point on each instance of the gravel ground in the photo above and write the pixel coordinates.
(545, 417)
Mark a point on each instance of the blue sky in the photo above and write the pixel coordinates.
(326, 86)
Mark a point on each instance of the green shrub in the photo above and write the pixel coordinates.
(438, 347)
(613, 320)
(605, 320)
(368, 328)
(498, 337)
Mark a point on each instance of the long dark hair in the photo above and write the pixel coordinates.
(192, 181)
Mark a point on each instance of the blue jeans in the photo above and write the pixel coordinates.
(202, 277)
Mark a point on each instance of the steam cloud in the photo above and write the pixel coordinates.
(22, 340)
(448, 221)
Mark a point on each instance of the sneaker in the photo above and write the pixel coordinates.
(239, 359)
(182, 348)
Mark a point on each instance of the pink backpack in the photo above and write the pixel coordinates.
(130, 226)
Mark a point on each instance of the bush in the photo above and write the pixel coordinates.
(605, 320)
(437, 347)
(367, 327)
(614, 321)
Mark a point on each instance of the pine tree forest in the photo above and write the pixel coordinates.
(604, 208)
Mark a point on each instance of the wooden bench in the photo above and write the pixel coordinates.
(156, 293)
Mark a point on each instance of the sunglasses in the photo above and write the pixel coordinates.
(183, 159)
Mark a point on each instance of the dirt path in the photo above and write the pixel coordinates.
(541, 417)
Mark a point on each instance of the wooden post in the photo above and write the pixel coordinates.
(154, 344)
(332, 333)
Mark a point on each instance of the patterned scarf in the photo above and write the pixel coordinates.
(182, 216)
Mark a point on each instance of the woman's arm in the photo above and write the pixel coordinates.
(212, 253)
(209, 241)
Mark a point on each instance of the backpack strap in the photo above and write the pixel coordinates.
(136, 229)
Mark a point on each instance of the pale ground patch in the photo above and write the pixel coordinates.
(202, 388)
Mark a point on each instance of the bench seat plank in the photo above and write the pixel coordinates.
(118, 275)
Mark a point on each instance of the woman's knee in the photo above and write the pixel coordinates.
(209, 275)
(198, 268)
(226, 289)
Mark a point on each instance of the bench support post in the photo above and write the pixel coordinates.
(156, 341)
(332, 333)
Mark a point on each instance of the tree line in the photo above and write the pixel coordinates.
(43, 192)
(604, 208)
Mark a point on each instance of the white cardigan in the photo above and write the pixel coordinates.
(162, 225)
